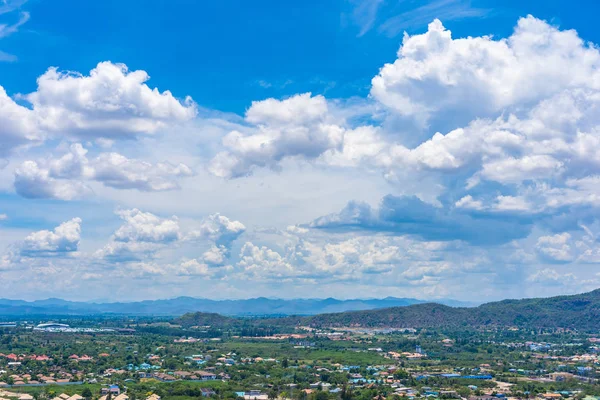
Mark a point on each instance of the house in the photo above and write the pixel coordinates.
(207, 392)
(164, 377)
(153, 396)
(182, 374)
(205, 375)
(112, 389)
(552, 396)
(255, 395)
(122, 396)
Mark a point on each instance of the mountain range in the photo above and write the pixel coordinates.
(581, 312)
(172, 307)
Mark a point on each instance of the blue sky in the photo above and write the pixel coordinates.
(430, 149)
(220, 52)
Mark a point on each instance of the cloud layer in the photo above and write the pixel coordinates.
(485, 152)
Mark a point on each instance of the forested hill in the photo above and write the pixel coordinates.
(580, 311)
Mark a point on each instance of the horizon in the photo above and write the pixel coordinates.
(432, 300)
(439, 150)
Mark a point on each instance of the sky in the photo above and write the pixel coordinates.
(300, 149)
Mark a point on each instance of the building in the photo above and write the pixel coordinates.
(253, 395)
(205, 375)
(114, 390)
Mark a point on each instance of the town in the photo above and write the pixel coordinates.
(133, 359)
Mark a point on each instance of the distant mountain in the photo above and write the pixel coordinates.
(581, 311)
(182, 305)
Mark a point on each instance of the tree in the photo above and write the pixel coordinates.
(321, 395)
(87, 393)
(346, 393)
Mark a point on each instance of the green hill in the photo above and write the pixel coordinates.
(580, 311)
(205, 319)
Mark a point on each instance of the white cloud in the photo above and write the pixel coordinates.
(469, 203)
(35, 182)
(142, 226)
(117, 171)
(505, 144)
(512, 170)
(110, 102)
(380, 260)
(17, 125)
(475, 76)
(192, 267)
(7, 29)
(215, 255)
(219, 229)
(511, 203)
(64, 239)
(140, 237)
(300, 126)
(551, 277)
(263, 263)
(66, 178)
(124, 252)
(555, 248)
(364, 14)
(144, 238)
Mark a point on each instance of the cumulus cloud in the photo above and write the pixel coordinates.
(522, 114)
(300, 126)
(66, 178)
(110, 102)
(555, 248)
(263, 263)
(500, 135)
(478, 76)
(219, 229)
(525, 147)
(313, 258)
(17, 125)
(141, 240)
(552, 277)
(215, 255)
(36, 182)
(141, 235)
(64, 239)
(142, 226)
